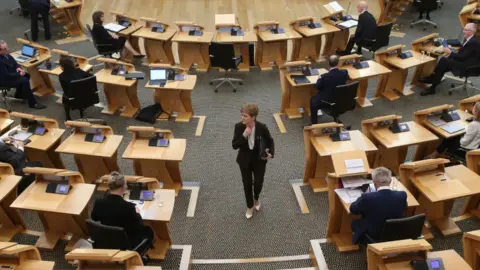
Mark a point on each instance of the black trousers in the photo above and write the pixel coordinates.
(35, 10)
(24, 90)
(315, 105)
(443, 66)
(67, 112)
(351, 42)
(252, 175)
(451, 144)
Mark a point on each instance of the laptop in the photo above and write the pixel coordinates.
(27, 53)
(158, 77)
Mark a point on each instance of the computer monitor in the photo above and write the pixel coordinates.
(158, 74)
(28, 51)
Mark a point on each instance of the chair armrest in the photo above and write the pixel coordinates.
(143, 247)
(369, 239)
(328, 103)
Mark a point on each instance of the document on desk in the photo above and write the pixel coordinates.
(435, 120)
(348, 24)
(335, 6)
(453, 127)
(22, 136)
(354, 165)
(348, 195)
(113, 27)
(354, 181)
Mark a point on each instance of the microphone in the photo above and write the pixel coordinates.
(348, 8)
(26, 36)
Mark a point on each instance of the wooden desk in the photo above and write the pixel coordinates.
(436, 189)
(107, 259)
(426, 45)
(158, 46)
(22, 257)
(466, 15)
(121, 94)
(81, 61)
(12, 221)
(42, 148)
(150, 182)
(240, 43)
(272, 47)
(391, 10)
(393, 147)
(161, 163)
(157, 215)
(310, 45)
(395, 82)
(93, 159)
(471, 248)
(318, 150)
(68, 14)
(128, 32)
(175, 96)
(59, 214)
(451, 261)
(295, 96)
(193, 49)
(40, 83)
(334, 40)
(421, 117)
(362, 76)
(467, 104)
(5, 121)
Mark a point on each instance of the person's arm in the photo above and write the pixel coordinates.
(468, 52)
(133, 216)
(271, 143)
(94, 216)
(319, 84)
(470, 133)
(359, 30)
(238, 139)
(357, 207)
(6, 77)
(14, 157)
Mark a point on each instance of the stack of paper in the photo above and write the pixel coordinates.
(435, 120)
(348, 24)
(113, 27)
(354, 165)
(354, 181)
(335, 6)
(453, 127)
(348, 195)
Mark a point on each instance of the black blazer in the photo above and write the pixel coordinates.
(8, 70)
(14, 157)
(68, 76)
(367, 26)
(239, 142)
(41, 3)
(468, 54)
(375, 208)
(327, 83)
(102, 36)
(113, 210)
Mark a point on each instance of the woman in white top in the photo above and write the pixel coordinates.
(469, 141)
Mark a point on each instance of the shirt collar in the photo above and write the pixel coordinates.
(468, 39)
(363, 11)
(383, 188)
(333, 68)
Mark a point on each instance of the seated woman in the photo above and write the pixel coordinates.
(469, 141)
(70, 73)
(102, 36)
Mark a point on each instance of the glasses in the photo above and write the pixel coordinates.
(468, 30)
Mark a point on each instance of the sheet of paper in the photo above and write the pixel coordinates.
(453, 127)
(435, 120)
(335, 6)
(114, 27)
(348, 195)
(224, 29)
(354, 165)
(349, 23)
(354, 181)
(22, 136)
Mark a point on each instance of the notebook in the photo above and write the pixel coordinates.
(453, 127)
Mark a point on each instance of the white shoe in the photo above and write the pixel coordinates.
(257, 205)
(249, 213)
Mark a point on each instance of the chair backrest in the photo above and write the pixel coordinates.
(382, 37)
(222, 55)
(107, 237)
(427, 5)
(345, 98)
(91, 34)
(403, 228)
(83, 93)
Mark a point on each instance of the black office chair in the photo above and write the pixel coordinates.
(110, 237)
(425, 6)
(344, 100)
(399, 229)
(81, 94)
(382, 38)
(107, 50)
(5, 90)
(222, 55)
(472, 71)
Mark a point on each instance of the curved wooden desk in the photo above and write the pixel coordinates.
(158, 46)
(5, 121)
(89, 259)
(68, 14)
(22, 257)
(12, 221)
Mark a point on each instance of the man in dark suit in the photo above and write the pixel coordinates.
(11, 74)
(468, 54)
(376, 207)
(113, 210)
(326, 84)
(40, 7)
(366, 29)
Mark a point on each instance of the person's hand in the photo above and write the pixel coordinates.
(269, 156)
(115, 36)
(247, 131)
(18, 145)
(352, 36)
(21, 71)
(447, 50)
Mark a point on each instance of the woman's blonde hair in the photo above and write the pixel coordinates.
(250, 108)
(476, 111)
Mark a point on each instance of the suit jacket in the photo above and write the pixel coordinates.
(43, 3)
(8, 70)
(239, 142)
(113, 210)
(14, 157)
(468, 54)
(327, 83)
(375, 208)
(101, 35)
(367, 26)
(68, 76)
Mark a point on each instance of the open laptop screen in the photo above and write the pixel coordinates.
(28, 51)
(158, 74)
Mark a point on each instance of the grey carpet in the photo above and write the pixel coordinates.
(219, 229)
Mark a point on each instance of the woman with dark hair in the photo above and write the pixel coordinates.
(256, 146)
(102, 36)
(70, 73)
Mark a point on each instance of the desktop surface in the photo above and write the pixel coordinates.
(105, 76)
(187, 84)
(373, 70)
(446, 135)
(268, 36)
(7, 183)
(76, 144)
(325, 146)
(161, 208)
(413, 61)
(146, 32)
(227, 37)
(450, 258)
(324, 29)
(312, 79)
(186, 38)
(139, 149)
(417, 134)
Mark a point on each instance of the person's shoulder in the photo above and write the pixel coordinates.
(399, 193)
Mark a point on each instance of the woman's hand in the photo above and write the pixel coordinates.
(269, 156)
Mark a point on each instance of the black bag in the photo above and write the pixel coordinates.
(150, 113)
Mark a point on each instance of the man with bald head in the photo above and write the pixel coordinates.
(467, 55)
(366, 29)
(326, 84)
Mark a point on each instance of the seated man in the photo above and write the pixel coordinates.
(366, 30)
(13, 153)
(467, 55)
(326, 84)
(376, 207)
(113, 210)
(11, 74)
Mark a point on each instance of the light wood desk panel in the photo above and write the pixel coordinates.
(5, 121)
(22, 257)
(194, 50)
(158, 46)
(68, 14)
(12, 221)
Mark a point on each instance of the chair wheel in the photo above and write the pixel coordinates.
(452, 85)
(240, 83)
(411, 26)
(211, 83)
(216, 90)
(434, 26)
(449, 93)
(234, 90)
(424, 29)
